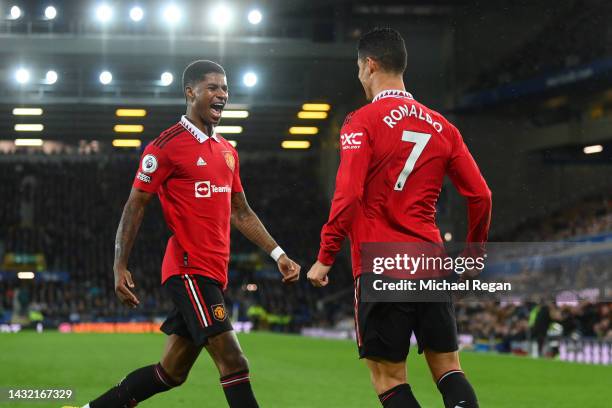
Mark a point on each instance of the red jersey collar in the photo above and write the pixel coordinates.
(197, 133)
(392, 93)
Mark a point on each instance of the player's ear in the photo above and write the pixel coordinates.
(189, 93)
(372, 66)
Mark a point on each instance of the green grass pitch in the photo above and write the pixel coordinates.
(287, 371)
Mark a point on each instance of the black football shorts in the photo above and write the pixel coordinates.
(199, 308)
(384, 329)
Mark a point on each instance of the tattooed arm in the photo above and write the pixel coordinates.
(247, 222)
(131, 219)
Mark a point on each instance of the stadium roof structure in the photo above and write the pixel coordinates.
(304, 51)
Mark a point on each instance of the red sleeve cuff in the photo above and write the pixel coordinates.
(326, 258)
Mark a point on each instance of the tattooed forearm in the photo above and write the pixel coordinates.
(247, 222)
(133, 212)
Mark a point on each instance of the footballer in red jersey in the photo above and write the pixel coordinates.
(196, 175)
(394, 154)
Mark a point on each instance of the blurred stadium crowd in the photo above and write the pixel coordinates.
(67, 208)
(563, 42)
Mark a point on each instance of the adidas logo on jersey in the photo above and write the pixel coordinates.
(201, 162)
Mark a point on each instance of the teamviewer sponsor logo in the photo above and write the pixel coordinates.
(204, 189)
(351, 140)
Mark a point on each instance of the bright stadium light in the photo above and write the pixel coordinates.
(131, 112)
(51, 77)
(221, 16)
(28, 142)
(593, 149)
(255, 17)
(104, 13)
(172, 14)
(166, 78)
(106, 77)
(311, 115)
(128, 128)
(15, 13)
(29, 127)
(50, 13)
(136, 13)
(295, 144)
(127, 142)
(22, 76)
(303, 130)
(228, 129)
(448, 236)
(250, 79)
(27, 111)
(25, 275)
(235, 114)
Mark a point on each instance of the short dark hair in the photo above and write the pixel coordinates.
(196, 71)
(386, 46)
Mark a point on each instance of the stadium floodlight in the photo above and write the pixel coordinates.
(15, 13)
(127, 142)
(303, 130)
(295, 144)
(221, 16)
(255, 17)
(29, 127)
(22, 76)
(27, 111)
(250, 79)
(166, 78)
(135, 113)
(25, 275)
(50, 13)
(136, 13)
(233, 143)
(51, 77)
(128, 128)
(448, 236)
(593, 149)
(228, 129)
(106, 77)
(28, 142)
(172, 14)
(235, 114)
(104, 13)
(311, 115)
(325, 107)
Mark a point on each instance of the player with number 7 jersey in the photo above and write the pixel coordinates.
(394, 154)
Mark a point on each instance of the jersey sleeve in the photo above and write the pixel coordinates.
(236, 182)
(465, 175)
(355, 155)
(154, 169)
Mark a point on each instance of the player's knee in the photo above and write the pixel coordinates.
(385, 378)
(233, 362)
(178, 377)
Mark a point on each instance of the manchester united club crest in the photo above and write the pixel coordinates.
(219, 312)
(230, 160)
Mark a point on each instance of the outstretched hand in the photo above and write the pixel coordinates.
(289, 269)
(317, 275)
(124, 286)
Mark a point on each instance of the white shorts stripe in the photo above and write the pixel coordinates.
(197, 299)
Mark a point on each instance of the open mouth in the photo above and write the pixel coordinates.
(217, 109)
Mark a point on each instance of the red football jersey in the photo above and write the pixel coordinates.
(394, 155)
(194, 176)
